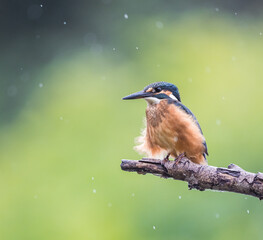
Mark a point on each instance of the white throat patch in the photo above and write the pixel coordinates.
(152, 100)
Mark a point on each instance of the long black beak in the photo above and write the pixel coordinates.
(138, 95)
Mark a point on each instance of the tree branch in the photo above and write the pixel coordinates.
(200, 177)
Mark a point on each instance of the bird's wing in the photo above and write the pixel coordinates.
(188, 111)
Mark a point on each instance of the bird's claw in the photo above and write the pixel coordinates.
(180, 157)
(165, 160)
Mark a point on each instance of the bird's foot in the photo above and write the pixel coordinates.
(181, 156)
(165, 160)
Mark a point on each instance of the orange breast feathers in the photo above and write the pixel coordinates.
(170, 130)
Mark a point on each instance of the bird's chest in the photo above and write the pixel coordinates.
(157, 117)
(172, 129)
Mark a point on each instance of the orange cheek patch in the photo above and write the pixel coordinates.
(168, 93)
(149, 90)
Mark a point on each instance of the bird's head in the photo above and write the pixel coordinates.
(156, 92)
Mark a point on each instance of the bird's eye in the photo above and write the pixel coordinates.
(158, 89)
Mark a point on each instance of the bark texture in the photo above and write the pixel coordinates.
(200, 177)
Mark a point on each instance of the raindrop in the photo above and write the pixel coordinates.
(217, 215)
(92, 178)
(208, 69)
(114, 49)
(223, 98)
(260, 33)
(175, 139)
(158, 65)
(137, 48)
(41, 5)
(218, 122)
(132, 194)
(109, 204)
(61, 118)
(190, 80)
(233, 58)
(159, 24)
(180, 197)
(94, 191)
(40, 85)
(154, 227)
(65, 22)
(36, 196)
(235, 13)
(247, 211)
(126, 16)
(217, 9)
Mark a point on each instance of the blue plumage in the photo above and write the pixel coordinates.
(188, 111)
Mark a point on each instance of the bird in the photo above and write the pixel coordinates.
(171, 128)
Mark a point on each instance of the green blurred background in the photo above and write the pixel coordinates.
(65, 65)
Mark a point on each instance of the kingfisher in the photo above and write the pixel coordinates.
(171, 128)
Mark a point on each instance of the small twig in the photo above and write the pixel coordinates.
(231, 179)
